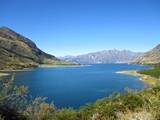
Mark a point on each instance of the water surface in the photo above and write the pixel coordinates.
(76, 86)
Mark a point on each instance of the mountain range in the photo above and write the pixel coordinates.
(106, 56)
(17, 52)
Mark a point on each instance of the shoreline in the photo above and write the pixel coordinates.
(4, 74)
(146, 78)
(16, 70)
(7, 71)
(50, 66)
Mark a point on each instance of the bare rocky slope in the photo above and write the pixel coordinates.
(150, 57)
(17, 52)
(106, 56)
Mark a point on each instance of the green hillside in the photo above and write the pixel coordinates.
(155, 72)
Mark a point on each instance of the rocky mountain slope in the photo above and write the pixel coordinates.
(150, 57)
(17, 51)
(106, 56)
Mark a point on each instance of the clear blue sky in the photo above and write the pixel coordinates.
(70, 27)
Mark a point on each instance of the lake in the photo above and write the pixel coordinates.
(77, 86)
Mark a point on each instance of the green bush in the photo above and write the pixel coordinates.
(1, 118)
(65, 114)
(132, 101)
(155, 72)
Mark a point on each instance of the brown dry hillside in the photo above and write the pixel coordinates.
(150, 57)
(17, 51)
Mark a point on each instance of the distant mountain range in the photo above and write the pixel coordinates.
(150, 57)
(17, 51)
(106, 56)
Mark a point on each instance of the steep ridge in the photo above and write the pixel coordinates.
(150, 57)
(17, 52)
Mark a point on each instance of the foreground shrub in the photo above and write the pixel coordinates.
(65, 114)
(15, 103)
(132, 101)
(38, 109)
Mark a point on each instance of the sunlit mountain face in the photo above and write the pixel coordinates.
(106, 56)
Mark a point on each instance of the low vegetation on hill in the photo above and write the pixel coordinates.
(152, 72)
(16, 104)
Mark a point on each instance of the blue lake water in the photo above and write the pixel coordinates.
(76, 86)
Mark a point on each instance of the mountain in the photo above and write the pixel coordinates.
(17, 52)
(106, 56)
(150, 57)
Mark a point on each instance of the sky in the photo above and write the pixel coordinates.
(72, 27)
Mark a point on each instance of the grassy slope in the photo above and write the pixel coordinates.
(153, 72)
